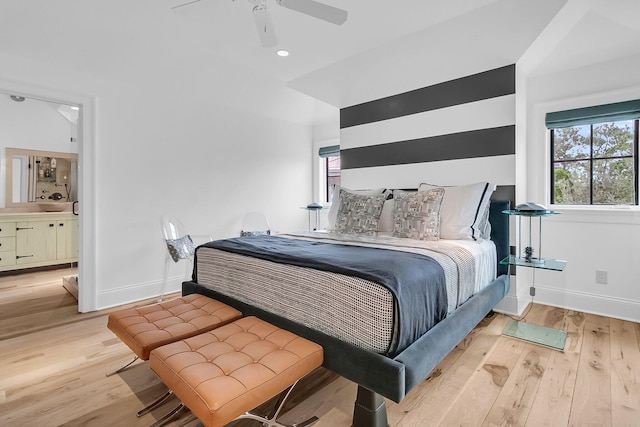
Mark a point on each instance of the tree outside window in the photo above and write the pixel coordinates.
(595, 164)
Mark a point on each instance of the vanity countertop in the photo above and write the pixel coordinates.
(5, 214)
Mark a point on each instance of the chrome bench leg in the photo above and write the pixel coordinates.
(272, 422)
(122, 368)
(171, 415)
(159, 401)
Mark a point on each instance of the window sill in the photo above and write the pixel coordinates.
(597, 214)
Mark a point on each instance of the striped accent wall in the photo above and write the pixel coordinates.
(456, 132)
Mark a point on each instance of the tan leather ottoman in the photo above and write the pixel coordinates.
(225, 372)
(144, 328)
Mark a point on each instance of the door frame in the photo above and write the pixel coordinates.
(87, 283)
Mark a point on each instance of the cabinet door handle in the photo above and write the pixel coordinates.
(23, 256)
(51, 225)
(62, 224)
(24, 228)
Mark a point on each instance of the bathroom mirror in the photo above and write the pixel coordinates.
(35, 175)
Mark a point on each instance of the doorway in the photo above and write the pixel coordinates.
(85, 176)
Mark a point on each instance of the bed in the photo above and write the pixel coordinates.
(369, 345)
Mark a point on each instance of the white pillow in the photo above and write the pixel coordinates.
(385, 225)
(462, 209)
(335, 203)
(485, 225)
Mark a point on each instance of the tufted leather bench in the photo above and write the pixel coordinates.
(223, 373)
(145, 328)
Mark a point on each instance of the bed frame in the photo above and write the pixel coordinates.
(394, 377)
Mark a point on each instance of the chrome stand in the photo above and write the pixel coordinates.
(271, 422)
(266, 422)
(171, 415)
(122, 368)
(159, 401)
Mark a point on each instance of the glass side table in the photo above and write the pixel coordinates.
(519, 329)
(316, 210)
(525, 255)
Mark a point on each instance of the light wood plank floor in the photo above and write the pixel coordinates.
(53, 362)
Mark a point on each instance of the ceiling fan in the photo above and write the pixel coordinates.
(264, 24)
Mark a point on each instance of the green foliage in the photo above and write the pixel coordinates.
(601, 163)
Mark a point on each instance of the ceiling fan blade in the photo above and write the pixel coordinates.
(317, 10)
(264, 26)
(185, 4)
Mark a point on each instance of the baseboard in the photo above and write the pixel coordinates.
(618, 308)
(518, 299)
(137, 292)
(515, 301)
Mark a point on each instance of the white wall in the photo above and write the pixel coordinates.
(178, 141)
(589, 239)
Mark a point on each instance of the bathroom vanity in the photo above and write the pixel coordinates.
(37, 239)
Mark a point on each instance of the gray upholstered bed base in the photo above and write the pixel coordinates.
(376, 374)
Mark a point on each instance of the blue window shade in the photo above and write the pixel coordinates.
(628, 110)
(331, 151)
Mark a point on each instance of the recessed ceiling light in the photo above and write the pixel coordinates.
(283, 52)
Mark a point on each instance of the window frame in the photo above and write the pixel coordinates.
(591, 159)
(327, 176)
(324, 150)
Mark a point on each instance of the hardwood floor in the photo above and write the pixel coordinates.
(53, 362)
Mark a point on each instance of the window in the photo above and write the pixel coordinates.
(332, 166)
(594, 155)
(595, 164)
(331, 157)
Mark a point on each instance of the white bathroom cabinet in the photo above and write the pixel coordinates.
(36, 240)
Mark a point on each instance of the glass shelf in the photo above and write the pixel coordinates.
(533, 262)
(544, 263)
(317, 210)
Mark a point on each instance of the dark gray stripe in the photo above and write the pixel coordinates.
(485, 85)
(464, 145)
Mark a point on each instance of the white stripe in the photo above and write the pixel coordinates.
(497, 169)
(488, 113)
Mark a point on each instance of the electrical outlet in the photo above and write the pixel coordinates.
(601, 277)
(532, 291)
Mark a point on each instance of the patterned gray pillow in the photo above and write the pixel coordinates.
(359, 213)
(181, 248)
(417, 215)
